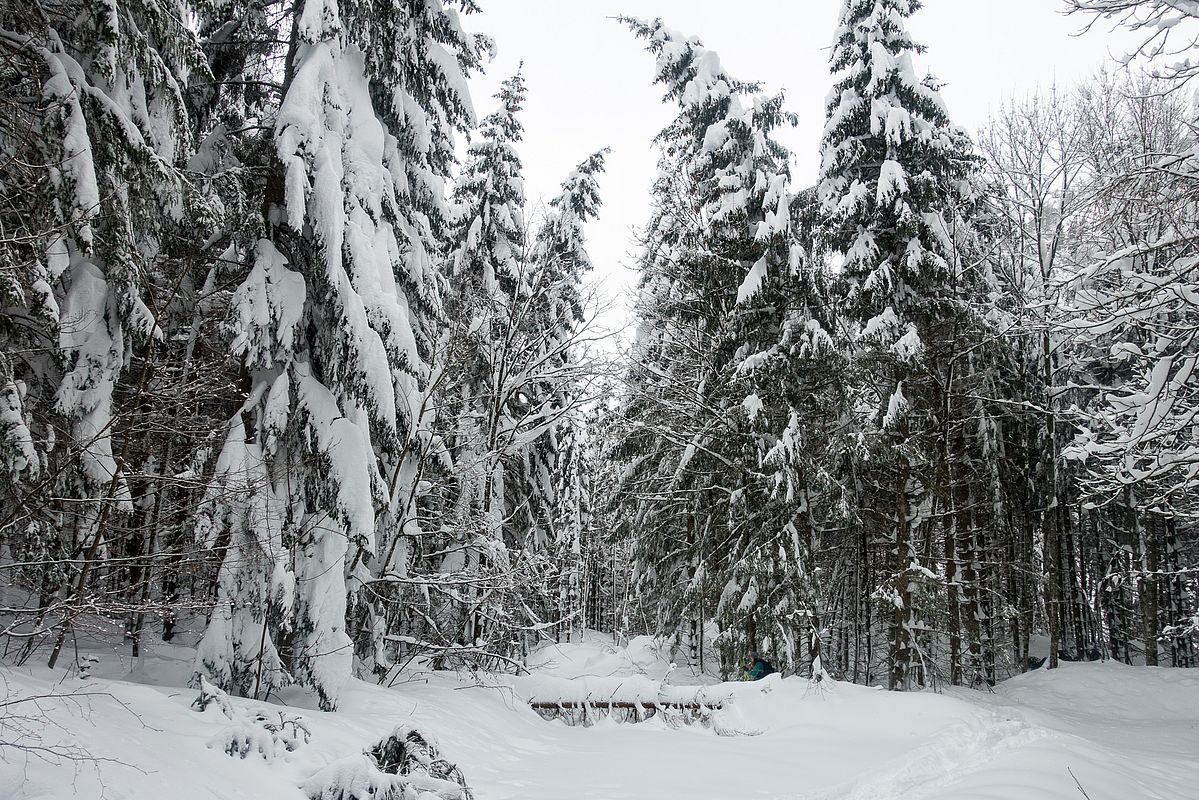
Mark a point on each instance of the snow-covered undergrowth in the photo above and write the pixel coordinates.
(126, 733)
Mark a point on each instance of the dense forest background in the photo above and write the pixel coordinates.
(276, 365)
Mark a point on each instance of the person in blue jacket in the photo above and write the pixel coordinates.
(757, 668)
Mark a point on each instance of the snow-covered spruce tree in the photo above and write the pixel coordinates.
(28, 324)
(560, 250)
(573, 519)
(96, 131)
(556, 471)
(488, 285)
(800, 384)
(492, 268)
(894, 184)
(423, 99)
(714, 538)
(517, 316)
(241, 517)
(558, 317)
(334, 323)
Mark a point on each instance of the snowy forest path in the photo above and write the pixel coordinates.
(961, 749)
(1048, 730)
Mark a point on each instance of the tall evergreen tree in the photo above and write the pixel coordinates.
(489, 276)
(97, 131)
(334, 321)
(557, 465)
(894, 183)
(712, 541)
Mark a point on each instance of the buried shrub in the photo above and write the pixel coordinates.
(403, 766)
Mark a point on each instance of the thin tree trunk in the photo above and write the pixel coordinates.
(903, 614)
(1052, 540)
(1149, 588)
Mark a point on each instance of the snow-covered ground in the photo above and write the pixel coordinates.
(1122, 732)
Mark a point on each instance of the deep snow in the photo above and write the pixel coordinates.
(1124, 732)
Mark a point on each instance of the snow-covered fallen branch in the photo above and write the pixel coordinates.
(584, 701)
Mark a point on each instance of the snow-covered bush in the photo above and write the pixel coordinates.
(252, 732)
(404, 766)
(263, 735)
(209, 694)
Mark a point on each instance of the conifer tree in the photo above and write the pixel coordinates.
(558, 471)
(334, 321)
(519, 307)
(489, 278)
(716, 254)
(894, 183)
(97, 130)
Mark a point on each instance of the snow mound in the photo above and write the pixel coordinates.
(596, 655)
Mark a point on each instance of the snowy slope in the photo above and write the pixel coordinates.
(1124, 732)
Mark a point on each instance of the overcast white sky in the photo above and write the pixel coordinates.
(589, 82)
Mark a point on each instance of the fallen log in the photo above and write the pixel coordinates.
(590, 710)
(646, 705)
(588, 700)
